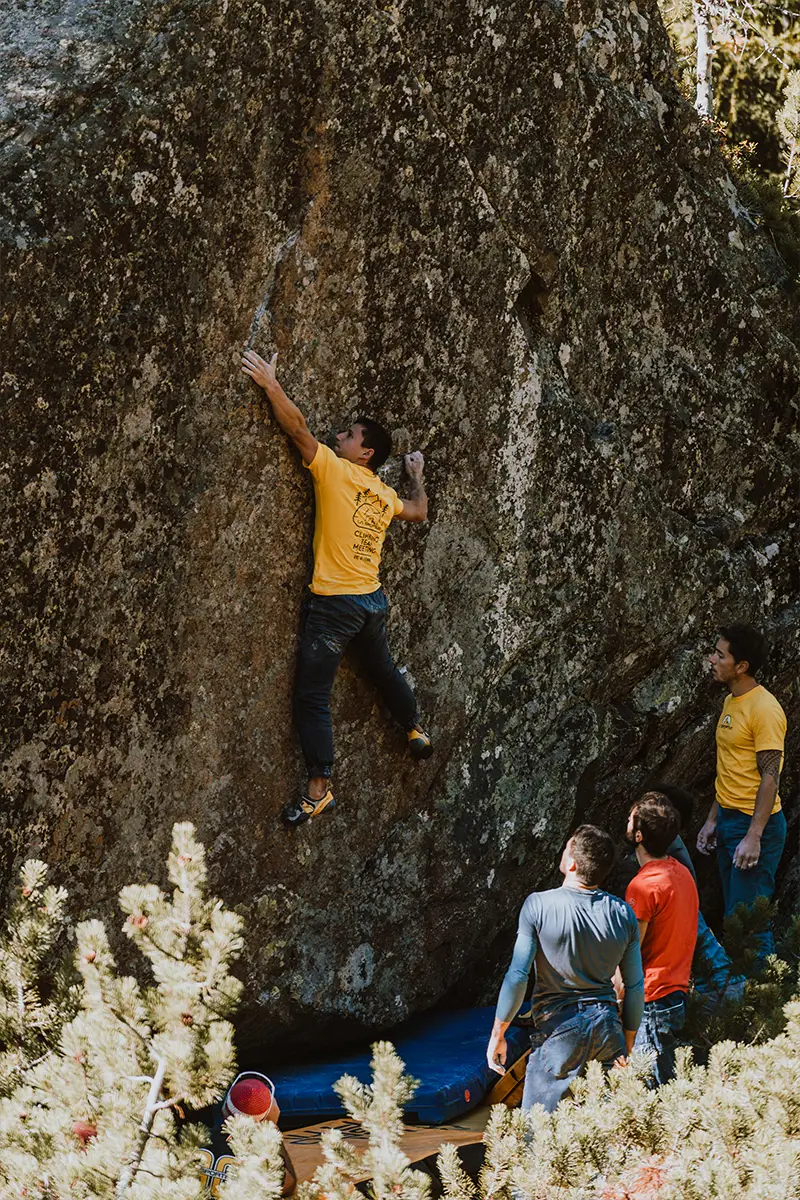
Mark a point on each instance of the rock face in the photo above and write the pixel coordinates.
(499, 229)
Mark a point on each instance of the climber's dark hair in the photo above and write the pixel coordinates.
(377, 439)
(594, 853)
(657, 821)
(679, 798)
(746, 645)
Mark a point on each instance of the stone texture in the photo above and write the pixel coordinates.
(500, 230)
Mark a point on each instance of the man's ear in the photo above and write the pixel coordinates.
(743, 667)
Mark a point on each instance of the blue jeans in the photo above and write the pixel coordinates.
(563, 1043)
(743, 887)
(662, 1020)
(711, 965)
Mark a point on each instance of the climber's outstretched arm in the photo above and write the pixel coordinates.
(287, 414)
(415, 509)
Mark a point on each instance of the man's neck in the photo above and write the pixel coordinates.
(577, 885)
(642, 857)
(742, 685)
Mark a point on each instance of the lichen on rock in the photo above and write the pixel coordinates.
(502, 231)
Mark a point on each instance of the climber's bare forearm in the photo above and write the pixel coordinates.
(291, 421)
(285, 411)
(415, 508)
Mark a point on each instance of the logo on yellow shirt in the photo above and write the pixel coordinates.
(370, 521)
(370, 512)
(725, 723)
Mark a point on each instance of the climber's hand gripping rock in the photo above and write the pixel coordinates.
(260, 371)
(287, 414)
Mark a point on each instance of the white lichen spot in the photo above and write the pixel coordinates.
(490, 878)
(357, 972)
(772, 550)
(450, 659)
(657, 101)
(558, 82)
(564, 355)
(142, 181)
(686, 210)
(735, 239)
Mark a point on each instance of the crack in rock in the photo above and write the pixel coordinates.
(280, 258)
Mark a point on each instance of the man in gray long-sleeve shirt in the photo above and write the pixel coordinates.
(578, 935)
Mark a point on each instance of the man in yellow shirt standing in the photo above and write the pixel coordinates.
(746, 823)
(347, 605)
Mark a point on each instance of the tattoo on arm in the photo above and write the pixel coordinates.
(769, 763)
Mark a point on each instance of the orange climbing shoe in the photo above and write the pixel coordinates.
(303, 809)
(419, 744)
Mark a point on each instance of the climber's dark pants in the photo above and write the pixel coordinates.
(330, 625)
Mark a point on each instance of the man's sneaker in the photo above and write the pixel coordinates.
(304, 808)
(419, 744)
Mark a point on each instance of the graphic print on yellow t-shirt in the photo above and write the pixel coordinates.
(354, 509)
(748, 724)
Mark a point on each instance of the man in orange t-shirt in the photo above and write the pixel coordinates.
(663, 896)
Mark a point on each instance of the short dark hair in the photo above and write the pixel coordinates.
(657, 821)
(748, 645)
(594, 852)
(679, 798)
(377, 439)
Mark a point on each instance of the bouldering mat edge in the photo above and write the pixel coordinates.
(445, 1051)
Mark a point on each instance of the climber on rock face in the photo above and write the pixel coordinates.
(347, 605)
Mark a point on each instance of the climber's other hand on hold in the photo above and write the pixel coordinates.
(414, 463)
(260, 371)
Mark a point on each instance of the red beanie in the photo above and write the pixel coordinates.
(251, 1096)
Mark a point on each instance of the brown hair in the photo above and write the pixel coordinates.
(594, 853)
(658, 822)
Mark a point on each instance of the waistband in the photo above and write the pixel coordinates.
(576, 1006)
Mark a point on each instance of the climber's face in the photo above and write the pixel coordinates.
(349, 444)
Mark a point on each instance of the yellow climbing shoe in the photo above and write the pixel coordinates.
(419, 744)
(304, 808)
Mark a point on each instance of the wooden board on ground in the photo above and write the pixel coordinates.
(305, 1145)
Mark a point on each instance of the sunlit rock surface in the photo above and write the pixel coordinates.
(499, 229)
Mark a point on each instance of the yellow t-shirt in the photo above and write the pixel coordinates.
(354, 508)
(748, 724)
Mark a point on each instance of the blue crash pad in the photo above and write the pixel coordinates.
(445, 1051)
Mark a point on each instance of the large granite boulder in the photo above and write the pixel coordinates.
(501, 230)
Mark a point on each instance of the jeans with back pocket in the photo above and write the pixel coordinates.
(662, 1021)
(563, 1043)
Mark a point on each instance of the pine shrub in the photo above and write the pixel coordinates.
(97, 1114)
